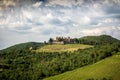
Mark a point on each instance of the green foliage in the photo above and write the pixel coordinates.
(24, 46)
(107, 69)
(97, 40)
(50, 40)
(26, 64)
(21, 63)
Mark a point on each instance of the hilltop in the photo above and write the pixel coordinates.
(90, 40)
(97, 40)
(24, 46)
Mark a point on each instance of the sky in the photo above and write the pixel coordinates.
(38, 20)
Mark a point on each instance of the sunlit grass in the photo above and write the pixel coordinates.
(62, 47)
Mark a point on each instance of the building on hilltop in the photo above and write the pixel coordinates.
(63, 40)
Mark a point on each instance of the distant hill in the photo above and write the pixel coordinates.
(95, 40)
(24, 46)
(107, 69)
(90, 40)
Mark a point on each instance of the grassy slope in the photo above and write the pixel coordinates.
(108, 68)
(60, 47)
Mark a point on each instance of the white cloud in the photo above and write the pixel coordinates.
(118, 28)
(64, 19)
(61, 2)
(85, 20)
(35, 23)
(102, 30)
(49, 16)
(69, 3)
(109, 20)
(26, 14)
(37, 4)
(116, 1)
(75, 25)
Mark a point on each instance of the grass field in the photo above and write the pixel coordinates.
(62, 47)
(107, 69)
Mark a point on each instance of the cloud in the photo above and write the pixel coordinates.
(114, 31)
(8, 3)
(61, 21)
(37, 4)
(61, 2)
(84, 20)
(28, 20)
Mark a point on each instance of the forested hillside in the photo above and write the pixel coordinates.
(25, 46)
(107, 69)
(20, 63)
(97, 40)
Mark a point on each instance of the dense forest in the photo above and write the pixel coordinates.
(97, 40)
(20, 63)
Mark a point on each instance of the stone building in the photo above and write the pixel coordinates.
(63, 40)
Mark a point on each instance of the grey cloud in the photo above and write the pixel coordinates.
(58, 22)
(116, 16)
(49, 18)
(113, 9)
(81, 2)
(37, 23)
(23, 28)
(48, 32)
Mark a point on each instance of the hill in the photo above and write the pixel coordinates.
(107, 69)
(79, 44)
(62, 47)
(21, 63)
(96, 40)
(90, 40)
(24, 46)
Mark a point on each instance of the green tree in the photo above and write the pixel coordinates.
(51, 40)
(76, 40)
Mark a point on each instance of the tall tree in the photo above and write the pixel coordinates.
(51, 40)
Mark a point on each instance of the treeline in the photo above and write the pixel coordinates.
(29, 65)
(24, 46)
(97, 40)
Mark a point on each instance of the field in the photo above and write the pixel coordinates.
(62, 47)
(107, 69)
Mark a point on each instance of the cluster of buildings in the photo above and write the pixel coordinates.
(63, 40)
